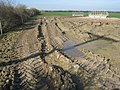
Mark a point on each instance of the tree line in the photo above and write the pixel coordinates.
(14, 15)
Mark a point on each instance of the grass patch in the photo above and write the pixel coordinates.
(114, 14)
(55, 13)
(69, 13)
(52, 13)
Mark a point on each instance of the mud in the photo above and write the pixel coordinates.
(65, 53)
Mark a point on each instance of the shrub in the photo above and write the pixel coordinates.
(11, 15)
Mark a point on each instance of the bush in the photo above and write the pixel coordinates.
(12, 16)
(34, 11)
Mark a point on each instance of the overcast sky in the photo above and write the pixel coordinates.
(109, 5)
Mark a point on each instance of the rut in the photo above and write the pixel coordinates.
(34, 73)
(96, 66)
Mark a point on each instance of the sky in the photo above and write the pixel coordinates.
(102, 5)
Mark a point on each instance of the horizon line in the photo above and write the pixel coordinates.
(82, 10)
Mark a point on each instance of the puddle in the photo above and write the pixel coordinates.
(95, 45)
(71, 47)
(70, 50)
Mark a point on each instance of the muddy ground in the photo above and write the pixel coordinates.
(65, 53)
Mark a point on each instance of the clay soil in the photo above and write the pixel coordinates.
(35, 58)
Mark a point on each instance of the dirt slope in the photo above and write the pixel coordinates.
(30, 72)
(34, 59)
(100, 73)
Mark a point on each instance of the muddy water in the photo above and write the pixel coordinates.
(71, 47)
(95, 45)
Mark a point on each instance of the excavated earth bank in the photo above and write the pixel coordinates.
(62, 53)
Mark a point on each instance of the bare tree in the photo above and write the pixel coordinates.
(8, 16)
(12, 15)
(21, 11)
(1, 27)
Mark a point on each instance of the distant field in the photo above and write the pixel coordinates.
(115, 14)
(69, 13)
(57, 13)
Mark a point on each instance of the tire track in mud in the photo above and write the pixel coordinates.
(34, 73)
(97, 67)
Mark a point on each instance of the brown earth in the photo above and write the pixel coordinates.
(31, 59)
(98, 40)
(29, 71)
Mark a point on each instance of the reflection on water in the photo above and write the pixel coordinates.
(99, 44)
(70, 50)
(70, 47)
